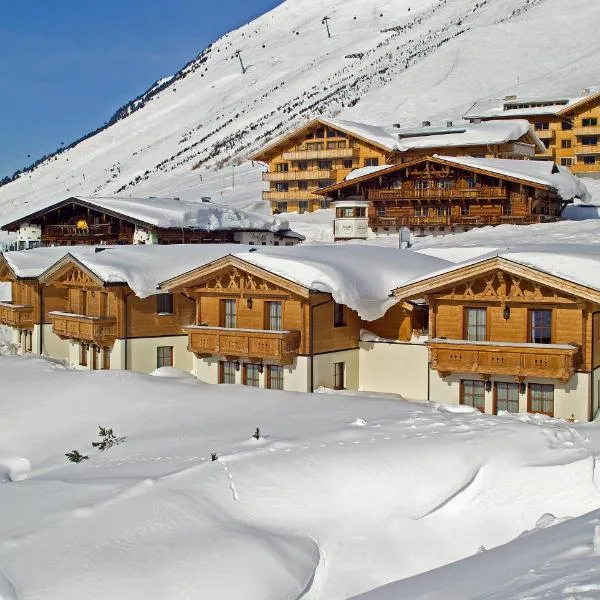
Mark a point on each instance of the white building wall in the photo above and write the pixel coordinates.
(595, 392)
(570, 399)
(28, 236)
(394, 368)
(142, 353)
(324, 370)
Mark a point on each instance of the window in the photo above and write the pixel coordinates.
(381, 210)
(591, 122)
(282, 187)
(302, 206)
(507, 210)
(566, 161)
(541, 126)
(339, 369)
(303, 185)
(476, 320)
(228, 313)
(589, 141)
(281, 207)
(339, 317)
(540, 322)
(282, 167)
(325, 165)
(164, 304)
(444, 184)
(567, 125)
(471, 183)
(320, 133)
(83, 354)
(421, 184)
(96, 357)
(507, 397)
(164, 356)
(29, 341)
(275, 377)
(565, 143)
(331, 145)
(473, 394)
(371, 162)
(443, 211)
(104, 309)
(421, 211)
(589, 160)
(274, 316)
(465, 209)
(347, 163)
(303, 165)
(345, 213)
(541, 398)
(251, 374)
(323, 204)
(83, 299)
(227, 371)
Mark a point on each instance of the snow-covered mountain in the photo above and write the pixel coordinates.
(386, 61)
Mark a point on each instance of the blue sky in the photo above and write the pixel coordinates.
(66, 65)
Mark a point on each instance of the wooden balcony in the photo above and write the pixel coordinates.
(552, 361)
(439, 193)
(71, 231)
(453, 221)
(298, 175)
(95, 330)
(321, 154)
(16, 315)
(545, 134)
(257, 345)
(583, 131)
(580, 149)
(291, 195)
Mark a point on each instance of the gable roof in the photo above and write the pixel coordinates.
(346, 272)
(160, 213)
(571, 268)
(540, 174)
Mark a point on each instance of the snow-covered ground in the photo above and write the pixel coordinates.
(340, 493)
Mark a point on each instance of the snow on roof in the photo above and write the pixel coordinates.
(32, 263)
(170, 213)
(375, 133)
(364, 171)
(347, 272)
(469, 134)
(577, 263)
(142, 267)
(537, 171)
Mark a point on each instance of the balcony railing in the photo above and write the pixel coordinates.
(92, 231)
(594, 130)
(16, 315)
(291, 195)
(98, 330)
(321, 154)
(545, 134)
(298, 175)
(279, 347)
(449, 221)
(439, 193)
(580, 149)
(552, 361)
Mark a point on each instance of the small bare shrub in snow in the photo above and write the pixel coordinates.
(75, 456)
(107, 439)
(256, 435)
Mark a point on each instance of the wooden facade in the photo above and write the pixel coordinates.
(312, 157)
(437, 194)
(234, 317)
(571, 134)
(498, 319)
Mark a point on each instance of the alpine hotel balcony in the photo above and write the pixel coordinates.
(279, 347)
(553, 361)
(101, 331)
(16, 315)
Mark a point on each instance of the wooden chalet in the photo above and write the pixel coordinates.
(122, 221)
(506, 336)
(324, 151)
(568, 126)
(441, 193)
(258, 328)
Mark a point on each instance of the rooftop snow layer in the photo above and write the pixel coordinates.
(170, 213)
(537, 171)
(364, 171)
(347, 272)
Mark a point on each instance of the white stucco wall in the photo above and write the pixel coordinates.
(323, 368)
(595, 392)
(570, 399)
(142, 353)
(52, 345)
(394, 368)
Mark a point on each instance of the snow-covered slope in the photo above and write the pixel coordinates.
(341, 493)
(390, 61)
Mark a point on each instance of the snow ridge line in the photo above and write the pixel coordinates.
(8, 591)
(452, 496)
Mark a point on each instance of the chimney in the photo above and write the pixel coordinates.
(476, 121)
(449, 124)
(177, 198)
(397, 126)
(510, 97)
(426, 124)
(586, 91)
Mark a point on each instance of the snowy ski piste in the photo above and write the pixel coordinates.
(339, 495)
